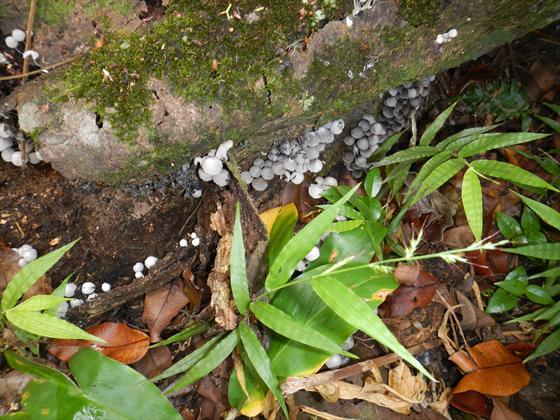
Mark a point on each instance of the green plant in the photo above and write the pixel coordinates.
(526, 232)
(37, 315)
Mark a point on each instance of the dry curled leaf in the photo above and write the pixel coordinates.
(154, 362)
(407, 298)
(124, 344)
(472, 316)
(161, 306)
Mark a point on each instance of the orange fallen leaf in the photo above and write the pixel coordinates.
(124, 344)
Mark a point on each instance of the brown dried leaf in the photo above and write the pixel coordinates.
(124, 344)
(407, 298)
(12, 383)
(501, 411)
(458, 237)
(442, 404)
(472, 402)
(407, 274)
(154, 362)
(161, 306)
(473, 317)
(194, 294)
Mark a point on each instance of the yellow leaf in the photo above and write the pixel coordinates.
(269, 217)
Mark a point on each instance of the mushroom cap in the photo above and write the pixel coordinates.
(412, 93)
(278, 168)
(259, 162)
(315, 191)
(5, 143)
(212, 165)
(297, 178)
(222, 179)
(330, 181)
(391, 101)
(29, 255)
(348, 157)
(357, 133)
(348, 140)
(138, 275)
(313, 153)
(363, 143)
(16, 159)
(388, 112)
(247, 177)
(255, 171)
(150, 261)
(361, 162)
(290, 164)
(334, 362)
(204, 176)
(267, 173)
(337, 126)
(369, 118)
(312, 139)
(87, 288)
(18, 35)
(315, 166)
(313, 254)
(393, 91)
(364, 125)
(11, 42)
(33, 158)
(452, 33)
(106, 287)
(222, 151)
(138, 267)
(439, 39)
(259, 184)
(196, 241)
(70, 289)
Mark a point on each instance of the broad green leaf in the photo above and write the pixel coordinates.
(428, 167)
(354, 310)
(471, 195)
(386, 146)
(285, 325)
(546, 213)
(548, 345)
(46, 325)
(408, 155)
(463, 134)
(183, 335)
(497, 140)
(397, 176)
(538, 295)
(501, 301)
(119, 387)
(373, 182)
(434, 127)
(508, 226)
(208, 363)
(543, 251)
(28, 275)
(299, 246)
(38, 370)
(345, 226)
(250, 405)
(39, 303)
(261, 363)
(189, 360)
(438, 177)
(509, 172)
(555, 125)
(529, 221)
(515, 282)
(237, 267)
(282, 231)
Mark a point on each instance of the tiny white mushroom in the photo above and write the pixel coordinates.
(22, 262)
(259, 184)
(30, 53)
(76, 302)
(267, 173)
(297, 178)
(18, 35)
(193, 235)
(138, 267)
(315, 166)
(211, 165)
(301, 266)
(183, 243)
(33, 158)
(196, 241)
(452, 33)
(204, 176)
(221, 179)
(258, 162)
(87, 288)
(337, 126)
(369, 118)
(150, 261)
(16, 159)
(223, 149)
(62, 310)
(315, 191)
(11, 42)
(138, 275)
(334, 362)
(106, 287)
(313, 254)
(70, 289)
(349, 140)
(197, 193)
(5, 143)
(348, 344)
(277, 168)
(290, 165)
(330, 181)
(255, 171)
(357, 133)
(439, 39)
(247, 177)
(29, 255)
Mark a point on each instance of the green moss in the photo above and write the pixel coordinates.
(54, 12)
(95, 7)
(420, 12)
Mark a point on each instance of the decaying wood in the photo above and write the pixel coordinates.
(294, 384)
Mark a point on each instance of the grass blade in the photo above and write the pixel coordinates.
(471, 195)
(408, 155)
(28, 275)
(546, 213)
(491, 141)
(464, 134)
(354, 310)
(542, 251)
(208, 363)
(555, 125)
(283, 324)
(237, 267)
(261, 363)
(187, 333)
(438, 177)
(48, 325)
(434, 127)
(510, 173)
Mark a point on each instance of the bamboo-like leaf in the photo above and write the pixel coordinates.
(354, 310)
(428, 167)
(397, 177)
(511, 173)
(434, 127)
(438, 177)
(471, 195)
(555, 125)
(183, 335)
(548, 345)
(238, 270)
(40, 302)
(282, 231)
(491, 141)
(285, 325)
(261, 363)
(373, 182)
(47, 325)
(546, 213)
(542, 251)
(208, 363)
(28, 275)
(189, 360)
(386, 146)
(408, 155)
(299, 246)
(345, 226)
(464, 134)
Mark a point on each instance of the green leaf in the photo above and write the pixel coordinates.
(238, 270)
(345, 226)
(189, 360)
(551, 272)
(468, 133)
(539, 315)
(515, 282)
(183, 335)
(59, 291)
(408, 155)
(208, 363)
(508, 226)
(529, 221)
(28, 275)
(47, 325)
(548, 345)
(39, 303)
(554, 107)
(354, 310)
(285, 325)
(546, 213)
(471, 195)
(386, 146)
(538, 295)
(373, 182)
(509, 172)
(555, 125)
(542, 251)
(299, 246)
(501, 301)
(434, 127)
(282, 231)
(491, 141)
(438, 177)
(261, 363)
(29, 367)
(119, 387)
(428, 167)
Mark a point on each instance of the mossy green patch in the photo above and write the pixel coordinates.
(420, 12)
(54, 12)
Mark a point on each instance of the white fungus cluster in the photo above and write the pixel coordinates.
(27, 254)
(10, 153)
(212, 165)
(195, 241)
(446, 37)
(338, 360)
(87, 289)
(320, 185)
(139, 267)
(293, 158)
(364, 139)
(15, 38)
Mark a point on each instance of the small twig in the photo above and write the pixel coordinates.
(29, 31)
(41, 70)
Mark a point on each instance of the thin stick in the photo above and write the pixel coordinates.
(30, 20)
(41, 70)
